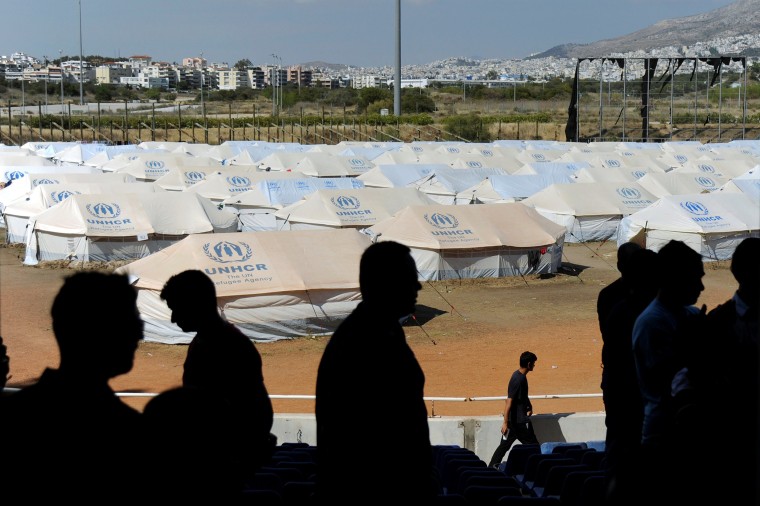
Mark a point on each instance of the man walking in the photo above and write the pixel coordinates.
(517, 425)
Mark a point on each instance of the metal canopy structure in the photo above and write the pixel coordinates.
(658, 99)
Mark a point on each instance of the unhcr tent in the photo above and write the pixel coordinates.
(16, 214)
(444, 185)
(488, 241)
(120, 226)
(508, 188)
(399, 175)
(712, 224)
(748, 183)
(590, 211)
(256, 207)
(271, 285)
(355, 208)
(680, 183)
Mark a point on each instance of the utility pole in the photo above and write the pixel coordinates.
(81, 57)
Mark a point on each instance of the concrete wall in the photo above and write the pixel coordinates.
(480, 434)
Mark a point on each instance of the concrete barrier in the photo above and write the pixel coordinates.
(479, 434)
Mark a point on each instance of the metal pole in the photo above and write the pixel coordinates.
(81, 57)
(720, 96)
(601, 95)
(744, 106)
(202, 79)
(672, 84)
(696, 93)
(397, 80)
(625, 95)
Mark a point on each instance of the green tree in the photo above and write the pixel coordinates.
(416, 101)
(104, 92)
(243, 64)
(153, 94)
(492, 74)
(368, 96)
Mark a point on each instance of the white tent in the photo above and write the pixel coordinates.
(399, 175)
(16, 214)
(680, 183)
(494, 240)
(182, 178)
(120, 226)
(151, 166)
(445, 184)
(234, 180)
(590, 211)
(256, 207)
(327, 165)
(508, 188)
(712, 224)
(271, 285)
(718, 168)
(354, 208)
(748, 183)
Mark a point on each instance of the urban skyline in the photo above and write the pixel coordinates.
(350, 32)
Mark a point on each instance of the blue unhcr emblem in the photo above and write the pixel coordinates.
(226, 252)
(442, 220)
(104, 210)
(628, 193)
(694, 208)
(344, 202)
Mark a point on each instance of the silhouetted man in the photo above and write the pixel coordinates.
(68, 439)
(222, 359)
(618, 289)
(373, 441)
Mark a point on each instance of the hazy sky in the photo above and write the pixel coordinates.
(355, 32)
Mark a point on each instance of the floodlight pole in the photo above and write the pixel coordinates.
(397, 80)
(81, 56)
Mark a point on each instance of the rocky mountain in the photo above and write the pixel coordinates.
(737, 19)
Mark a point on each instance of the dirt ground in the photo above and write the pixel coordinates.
(467, 337)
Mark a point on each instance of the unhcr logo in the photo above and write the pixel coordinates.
(705, 182)
(357, 162)
(452, 149)
(104, 210)
(706, 168)
(154, 164)
(682, 158)
(194, 176)
(628, 193)
(328, 184)
(612, 163)
(442, 220)
(37, 182)
(225, 252)
(694, 208)
(13, 175)
(239, 181)
(417, 149)
(345, 202)
(62, 195)
(486, 152)
(539, 157)
(638, 174)
(133, 157)
(474, 164)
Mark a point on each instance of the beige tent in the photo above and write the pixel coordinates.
(271, 285)
(479, 241)
(120, 226)
(16, 214)
(348, 207)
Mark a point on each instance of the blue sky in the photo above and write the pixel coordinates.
(355, 32)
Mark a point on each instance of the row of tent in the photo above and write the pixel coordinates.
(283, 246)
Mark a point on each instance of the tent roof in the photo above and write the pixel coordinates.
(255, 263)
(440, 226)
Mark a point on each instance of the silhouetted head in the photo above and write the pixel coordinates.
(528, 360)
(97, 324)
(745, 266)
(388, 278)
(191, 296)
(624, 253)
(681, 273)
(644, 274)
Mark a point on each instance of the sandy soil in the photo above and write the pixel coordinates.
(468, 336)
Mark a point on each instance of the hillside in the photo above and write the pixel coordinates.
(740, 18)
